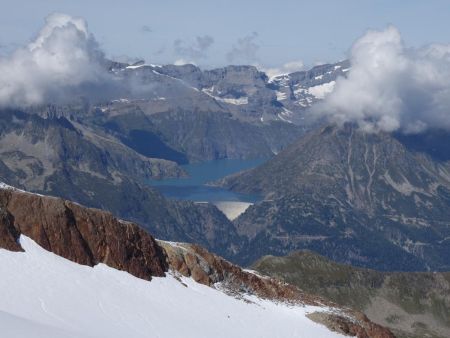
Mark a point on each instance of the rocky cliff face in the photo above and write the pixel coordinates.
(196, 133)
(86, 236)
(191, 260)
(34, 148)
(245, 92)
(209, 114)
(300, 90)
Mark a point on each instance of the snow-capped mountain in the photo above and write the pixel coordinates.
(69, 271)
(244, 91)
(304, 88)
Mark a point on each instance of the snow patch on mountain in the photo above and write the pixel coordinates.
(285, 115)
(236, 101)
(136, 66)
(281, 96)
(322, 90)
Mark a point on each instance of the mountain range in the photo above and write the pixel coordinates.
(374, 200)
(355, 197)
(269, 199)
(102, 154)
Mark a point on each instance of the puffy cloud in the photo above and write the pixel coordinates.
(62, 57)
(146, 29)
(392, 87)
(245, 50)
(182, 62)
(196, 50)
(127, 59)
(287, 68)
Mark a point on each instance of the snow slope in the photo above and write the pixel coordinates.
(45, 295)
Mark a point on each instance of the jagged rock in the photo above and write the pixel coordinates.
(86, 236)
(8, 233)
(191, 260)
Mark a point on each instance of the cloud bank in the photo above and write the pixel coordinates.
(287, 68)
(146, 29)
(196, 50)
(64, 59)
(391, 87)
(244, 50)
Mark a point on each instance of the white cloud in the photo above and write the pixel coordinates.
(62, 56)
(182, 62)
(392, 87)
(245, 50)
(288, 67)
(194, 50)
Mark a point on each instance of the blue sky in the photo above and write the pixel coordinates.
(271, 32)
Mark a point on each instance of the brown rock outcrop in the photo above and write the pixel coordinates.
(193, 261)
(83, 235)
(8, 233)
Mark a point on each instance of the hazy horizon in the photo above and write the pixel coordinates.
(215, 33)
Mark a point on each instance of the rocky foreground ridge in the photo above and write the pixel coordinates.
(82, 235)
(91, 236)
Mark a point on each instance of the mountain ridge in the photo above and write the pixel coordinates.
(339, 190)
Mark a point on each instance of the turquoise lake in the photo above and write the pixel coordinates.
(194, 187)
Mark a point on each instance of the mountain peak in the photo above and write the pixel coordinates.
(348, 187)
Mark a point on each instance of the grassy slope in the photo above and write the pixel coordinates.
(412, 304)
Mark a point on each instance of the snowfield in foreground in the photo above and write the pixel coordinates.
(44, 295)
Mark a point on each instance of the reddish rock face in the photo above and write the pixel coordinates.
(8, 233)
(85, 236)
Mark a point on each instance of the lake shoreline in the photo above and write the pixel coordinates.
(199, 186)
